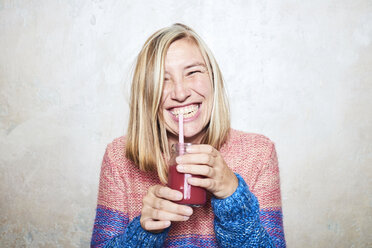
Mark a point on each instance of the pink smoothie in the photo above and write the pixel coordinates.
(192, 195)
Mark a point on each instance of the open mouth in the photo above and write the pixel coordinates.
(187, 111)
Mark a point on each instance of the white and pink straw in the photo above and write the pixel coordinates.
(186, 186)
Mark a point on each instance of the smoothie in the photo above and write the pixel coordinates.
(192, 195)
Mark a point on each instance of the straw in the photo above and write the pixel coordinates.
(186, 186)
(180, 129)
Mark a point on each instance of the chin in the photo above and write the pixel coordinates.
(194, 135)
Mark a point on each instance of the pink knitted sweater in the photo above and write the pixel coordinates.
(122, 187)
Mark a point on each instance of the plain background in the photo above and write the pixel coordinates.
(296, 71)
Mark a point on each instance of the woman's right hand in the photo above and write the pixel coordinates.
(158, 210)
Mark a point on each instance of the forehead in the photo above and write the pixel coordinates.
(182, 53)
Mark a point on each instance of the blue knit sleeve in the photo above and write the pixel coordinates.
(237, 221)
(113, 227)
(136, 236)
(129, 235)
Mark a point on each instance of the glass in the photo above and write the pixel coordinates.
(192, 195)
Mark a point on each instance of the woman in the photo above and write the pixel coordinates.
(177, 74)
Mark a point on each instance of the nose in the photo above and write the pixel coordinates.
(181, 91)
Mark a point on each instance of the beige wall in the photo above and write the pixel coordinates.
(297, 71)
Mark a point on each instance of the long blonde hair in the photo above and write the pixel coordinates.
(146, 141)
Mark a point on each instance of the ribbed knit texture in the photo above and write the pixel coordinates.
(237, 222)
(251, 217)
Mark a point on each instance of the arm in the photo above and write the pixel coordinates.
(112, 227)
(236, 208)
(240, 221)
(237, 220)
(267, 191)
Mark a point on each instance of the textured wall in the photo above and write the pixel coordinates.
(297, 71)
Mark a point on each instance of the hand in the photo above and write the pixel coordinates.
(158, 210)
(204, 160)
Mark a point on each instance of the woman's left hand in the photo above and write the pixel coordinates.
(206, 161)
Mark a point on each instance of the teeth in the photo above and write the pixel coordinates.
(189, 115)
(187, 111)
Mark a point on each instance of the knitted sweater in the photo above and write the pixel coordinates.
(250, 217)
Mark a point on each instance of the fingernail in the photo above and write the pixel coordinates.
(180, 168)
(178, 195)
(178, 160)
(191, 180)
(188, 211)
(188, 149)
(185, 217)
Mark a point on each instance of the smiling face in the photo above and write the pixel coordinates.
(187, 90)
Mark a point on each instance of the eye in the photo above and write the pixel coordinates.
(193, 72)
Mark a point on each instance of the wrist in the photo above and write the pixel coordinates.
(231, 188)
(238, 206)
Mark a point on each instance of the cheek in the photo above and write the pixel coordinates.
(207, 91)
(162, 112)
(164, 97)
(204, 87)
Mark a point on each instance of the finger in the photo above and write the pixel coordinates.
(202, 170)
(203, 148)
(157, 214)
(200, 158)
(171, 207)
(152, 225)
(206, 183)
(166, 193)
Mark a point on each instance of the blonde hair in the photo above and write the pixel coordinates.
(146, 141)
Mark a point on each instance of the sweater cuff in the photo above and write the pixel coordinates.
(238, 206)
(143, 238)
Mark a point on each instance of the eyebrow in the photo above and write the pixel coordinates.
(191, 65)
(195, 64)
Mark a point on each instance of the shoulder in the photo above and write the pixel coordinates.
(129, 173)
(238, 140)
(115, 152)
(117, 144)
(247, 149)
(248, 153)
